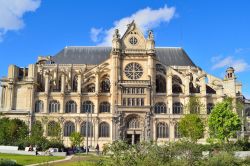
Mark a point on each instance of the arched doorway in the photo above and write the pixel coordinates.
(133, 129)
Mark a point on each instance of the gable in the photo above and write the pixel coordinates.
(133, 38)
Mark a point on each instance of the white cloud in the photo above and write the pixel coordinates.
(239, 65)
(145, 18)
(95, 32)
(11, 14)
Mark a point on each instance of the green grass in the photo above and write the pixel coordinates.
(26, 159)
(82, 160)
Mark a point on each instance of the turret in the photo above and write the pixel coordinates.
(230, 73)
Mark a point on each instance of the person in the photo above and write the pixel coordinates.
(30, 148)
(97, 149)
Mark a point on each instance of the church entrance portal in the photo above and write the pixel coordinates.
(133, 138)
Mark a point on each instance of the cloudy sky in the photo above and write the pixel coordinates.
(214, 33)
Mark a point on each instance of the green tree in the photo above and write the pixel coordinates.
(37, 129)
(192, 127)
(223, 122)
(194, 106)
(76, 139)
(12, 131)
(54, 131)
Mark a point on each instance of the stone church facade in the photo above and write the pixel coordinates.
(132, 90)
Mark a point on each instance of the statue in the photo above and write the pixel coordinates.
(150, 35)
(116, 34)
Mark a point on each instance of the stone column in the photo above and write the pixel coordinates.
(31, 102)
(97, 84)
(186, 85)
(171, 125)
(79, 83)
(96, 129)
(63, 83)
(78, 124)
(47, 86)
(2, 97)
(133, 139)
(10, 97)
(62, 104)
(46, 105)
(169, 84)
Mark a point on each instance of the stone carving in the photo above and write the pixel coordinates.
(116, 34)
(150, 35)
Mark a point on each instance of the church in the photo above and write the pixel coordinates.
(133, 90)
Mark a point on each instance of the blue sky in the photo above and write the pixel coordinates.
(215, 34)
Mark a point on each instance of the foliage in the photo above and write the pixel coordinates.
(192, 127)
(12, 131)
(55, 131)
(223, 122)
(76, 139)
(183, 153)
(4, 162)
(221, 159)
(37, 129)
(194, 106)
(28, 159)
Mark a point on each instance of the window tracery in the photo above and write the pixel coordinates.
(133, 70)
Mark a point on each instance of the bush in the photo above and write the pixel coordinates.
(221, 159)
(4, 162)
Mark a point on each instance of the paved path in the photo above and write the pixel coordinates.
(51, 162)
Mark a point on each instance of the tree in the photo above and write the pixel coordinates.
(12, 131)
(76, 139)
(194, 105)
(223, 122)
(37, 129)
(192, 127)
(54, 131)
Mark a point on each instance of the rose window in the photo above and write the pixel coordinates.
(133, 71)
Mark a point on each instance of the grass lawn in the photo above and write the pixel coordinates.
(26, 159)
(82, 160)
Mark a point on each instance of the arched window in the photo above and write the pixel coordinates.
(162, 130)
(193, 89)
(69, 127)
(160, 108)
(70, 107)
(54, 106)
(247, 112)
(210, 90)
(39, 106)
(105, 85)
(87, 106)
(104, 107)
(74, 84)
(84, 131)
(133, 123)
(160, 68)
(104, 129)
(176, 131)
(160, 84)
(176, 88)
(176, 79)
(59, 85)
(177, 108)
(210, 106)
(90, 88)
(54, 129)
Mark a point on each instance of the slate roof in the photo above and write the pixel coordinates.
(170, 56)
